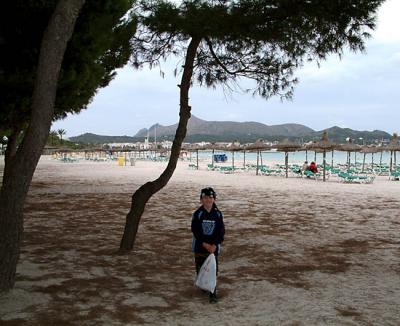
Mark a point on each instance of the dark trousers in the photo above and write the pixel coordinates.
(199, 259)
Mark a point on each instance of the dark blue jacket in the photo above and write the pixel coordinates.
(207, 227)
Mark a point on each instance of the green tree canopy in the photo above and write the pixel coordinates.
(42, 80)
(100, 45)
(264, 41)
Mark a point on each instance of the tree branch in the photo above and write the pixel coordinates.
(217, 59)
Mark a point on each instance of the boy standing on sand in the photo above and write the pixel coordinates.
(208, 232)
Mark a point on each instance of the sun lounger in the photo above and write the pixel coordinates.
(226, 169)
(355, 178)
(394, 176)
(192, 166)
(267, 171)
(310, 174)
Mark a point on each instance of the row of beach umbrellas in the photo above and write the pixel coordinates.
(324, 145)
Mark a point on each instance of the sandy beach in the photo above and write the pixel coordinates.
(297, 251)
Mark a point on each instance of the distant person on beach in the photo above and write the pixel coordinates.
(313, 167)
(304, 167)
(208, 232)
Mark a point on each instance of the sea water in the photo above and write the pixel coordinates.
(269, 157)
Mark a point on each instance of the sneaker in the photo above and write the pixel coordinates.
(213, 298)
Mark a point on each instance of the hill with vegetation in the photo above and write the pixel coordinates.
(202, 130)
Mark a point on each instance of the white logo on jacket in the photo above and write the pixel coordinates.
(208, 227)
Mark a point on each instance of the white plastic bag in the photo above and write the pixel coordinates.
(207, 277)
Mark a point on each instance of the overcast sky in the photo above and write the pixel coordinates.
(361, 92)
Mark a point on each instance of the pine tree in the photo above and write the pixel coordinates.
(35, 60)
(222, 42)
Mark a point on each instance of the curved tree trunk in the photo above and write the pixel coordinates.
(144, 193)
(20, 166)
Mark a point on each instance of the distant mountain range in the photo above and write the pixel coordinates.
(202, 130)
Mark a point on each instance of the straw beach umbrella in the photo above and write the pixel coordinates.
(349, 147)
(234, 147)
(324, 145)
(196, 148)
(310, 147)
(287, 146)
(258, 146)
(393, 147)
(187, 149)
(92, 152)
(368, 150)
(306, 148)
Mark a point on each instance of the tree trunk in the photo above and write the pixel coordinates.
(20, 167)
(144, 193)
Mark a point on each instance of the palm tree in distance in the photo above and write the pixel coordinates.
(53, 137)
(61, 133)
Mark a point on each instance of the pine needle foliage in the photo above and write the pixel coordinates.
(264, 41)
